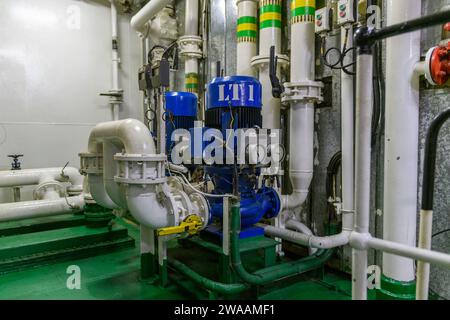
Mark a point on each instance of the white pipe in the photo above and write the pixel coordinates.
(142, 17)
(135, 138)
(402, 139)
(363, 241)
(113, 189)
(310, 241)
(301, 142)
(301, 160)
(29, 177)
(425, 240)
(246, 46)
(348, 136)
(270, 36)
(364, 111)
(191, 29)
(115, 59)
(41, 208)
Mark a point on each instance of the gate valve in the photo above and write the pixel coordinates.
(438, 60)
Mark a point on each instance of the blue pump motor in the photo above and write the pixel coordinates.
(181, 113)
(235, 103)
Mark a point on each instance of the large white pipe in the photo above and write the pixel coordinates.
(110, 169)
(247, 36)
(142, 17)
(301, 141)
(270, 35)
(29, 177)
(364, 111)
(41, 208)
(142, 199)
(191, 58)
(347, 136)
(402, 139)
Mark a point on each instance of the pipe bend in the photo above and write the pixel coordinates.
(98, 192)
(294, 200)
(147, 207)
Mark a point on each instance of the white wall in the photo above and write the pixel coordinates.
(52, 69)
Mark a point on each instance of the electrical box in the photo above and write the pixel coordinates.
(345, 12)
(323, 20)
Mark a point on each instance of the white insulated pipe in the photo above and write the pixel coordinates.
(142, 200)
(347, 137)
(148, 12)
(30, 177)
(364, 112)
(191, 29)
(247, 31)
(402, 139)
(301, 142)
(425, 242)
(42, 208)
(270, 35)
(115, 59)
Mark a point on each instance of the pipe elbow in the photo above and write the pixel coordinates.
(135, 137)
(148, 208)
(295, 200)
(98, 192)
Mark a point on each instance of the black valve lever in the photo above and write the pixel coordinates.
(277, 87)
(15, 165)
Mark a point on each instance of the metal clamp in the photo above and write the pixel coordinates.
(190, 47)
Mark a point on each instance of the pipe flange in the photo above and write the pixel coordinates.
(43, 188)
(135, 169)
(437, 65)
(203, 208)
(190, 47)
(262, 61)
(91, 163)
(303, 91)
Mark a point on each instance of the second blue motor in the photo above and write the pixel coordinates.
(181, 113)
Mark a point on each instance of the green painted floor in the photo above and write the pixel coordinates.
(116, 276)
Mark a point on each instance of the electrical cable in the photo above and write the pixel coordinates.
(440, 233)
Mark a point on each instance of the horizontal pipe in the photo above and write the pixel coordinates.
(30, 177)
(149, 11)
(311, 241)
(227, 289)
(362, 241)
(42, 208)
(402, 28)
(271, 274)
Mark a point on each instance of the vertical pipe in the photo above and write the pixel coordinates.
(402, 139)
(301, 144)
(115, 60)
(364, 110)
(270, 32)
(247, 36)
(347, 127)
(191, 29)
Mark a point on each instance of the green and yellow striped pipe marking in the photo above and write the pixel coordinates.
(191, 82)
(269, 14)
(303, 11)
(247, 27)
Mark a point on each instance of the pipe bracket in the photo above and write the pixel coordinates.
(134, 169)
(303, 91)
(91, 163)
(191, 47)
